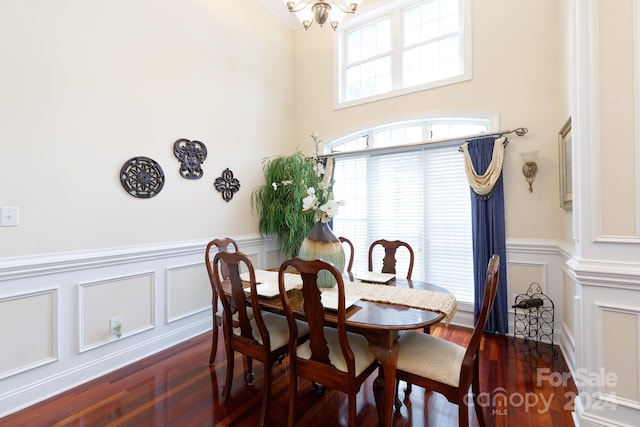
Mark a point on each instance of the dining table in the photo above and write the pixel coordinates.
(379, 312)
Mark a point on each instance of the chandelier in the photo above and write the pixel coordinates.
(321, 11)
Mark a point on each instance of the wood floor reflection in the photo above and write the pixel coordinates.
(177, 388)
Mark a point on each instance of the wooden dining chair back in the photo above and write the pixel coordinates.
(222, 245)
(389, 261)
(445, 367)
(332, 357)
(346, 242)
(259, 335)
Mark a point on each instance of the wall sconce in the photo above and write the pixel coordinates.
(530, 168)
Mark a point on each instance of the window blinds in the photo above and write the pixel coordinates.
(419, 196)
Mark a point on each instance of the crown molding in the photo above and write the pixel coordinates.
(278, 8)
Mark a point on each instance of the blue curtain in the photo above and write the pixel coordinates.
(487, 213)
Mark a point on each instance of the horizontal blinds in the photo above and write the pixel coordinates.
(396, 184)
(449, 254)
(419, 196)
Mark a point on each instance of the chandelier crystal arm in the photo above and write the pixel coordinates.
(346, 7)
(320, 11)
(297, 6)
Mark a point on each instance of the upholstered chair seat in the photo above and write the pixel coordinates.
(361, 353)
(278, 329)
(427, 356)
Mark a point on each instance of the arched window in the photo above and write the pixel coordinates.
(402, 181)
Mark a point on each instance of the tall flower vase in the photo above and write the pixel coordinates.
(322, 244)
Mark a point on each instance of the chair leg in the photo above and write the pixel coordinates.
(229, 380)
(214, 343)
(293, 396)
(463, 413)
(407, 390)
(352, 410)
(250, 375)
(378, 394)
(266, 392)
(396, 402)
(475, 390)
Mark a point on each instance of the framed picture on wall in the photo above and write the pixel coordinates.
(564, 147)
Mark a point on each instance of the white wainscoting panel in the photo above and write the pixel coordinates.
(37, 312)
(130, 298)
(188, 291)
(618, 353)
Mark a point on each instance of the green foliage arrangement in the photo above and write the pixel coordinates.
(279, 201)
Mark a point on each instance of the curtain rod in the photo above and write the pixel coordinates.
(518, 131)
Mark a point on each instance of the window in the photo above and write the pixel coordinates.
(417, 193)
(404, 47)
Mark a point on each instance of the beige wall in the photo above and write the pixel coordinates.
(87, 85)
(516, 73)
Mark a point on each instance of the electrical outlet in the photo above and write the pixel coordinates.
(115, 325)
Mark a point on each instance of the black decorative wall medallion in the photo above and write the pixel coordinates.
(142, 177)
(227, 185)
(191, 155)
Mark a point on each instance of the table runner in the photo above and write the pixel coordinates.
(439, 302)
(423, 299)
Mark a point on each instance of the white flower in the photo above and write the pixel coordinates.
(311, 191)
(322, 216)
(274, 185)
(330, 208)
(309, 203)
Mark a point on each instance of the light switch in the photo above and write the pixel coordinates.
(8, 216)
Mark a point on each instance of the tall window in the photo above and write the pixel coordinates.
(403, 47)
(418, 194)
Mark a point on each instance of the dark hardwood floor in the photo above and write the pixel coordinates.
(178, 388)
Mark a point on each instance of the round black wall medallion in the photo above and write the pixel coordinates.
(227, 185)
(191, 155)
(142, 177)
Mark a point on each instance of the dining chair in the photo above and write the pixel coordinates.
(445, 367)
(260, 335)
(222, 245)
(332, 357)
(347, 242)
(389, 260)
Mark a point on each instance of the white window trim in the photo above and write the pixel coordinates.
(395, 7)
(492, 117)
